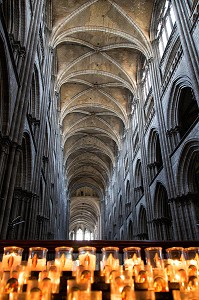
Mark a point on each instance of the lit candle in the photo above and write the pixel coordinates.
(11, 258)
(132, 256)
(87, 260)
(63, 258)
(37, 258)
(87, 257)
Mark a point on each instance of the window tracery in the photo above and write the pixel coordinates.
(165, 25)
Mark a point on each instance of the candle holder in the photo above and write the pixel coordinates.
(176, 258)
(87, 257)
(12, 257)
(110, 257)
(109, 262)
(192, 261)
(37, 258)
(154, 257)
(132, 257)
(64, 258)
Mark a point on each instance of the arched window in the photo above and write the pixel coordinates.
(155, 154)
(146, 80)
(87, 235)
(165, 26)
(183, 111)
(158, 153)
(138, 181)
(128, 202)
(79, 234)
(188, 110)
(120, 212)
(23, 178)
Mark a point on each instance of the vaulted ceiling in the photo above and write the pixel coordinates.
(98, 46)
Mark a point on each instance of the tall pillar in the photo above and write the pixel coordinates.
(156, 87)
(175, 222)
(8, 188)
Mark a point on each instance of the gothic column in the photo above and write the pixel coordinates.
(5, 144)
(155, 223)
(8, 188)
(190, 235)
(32, 216)
(175, 221)
(191, 199)
(149, 210)
(182, 218)
(19, 114)
(156, 87)
(27, 196)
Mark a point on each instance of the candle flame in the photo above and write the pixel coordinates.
(34, 260)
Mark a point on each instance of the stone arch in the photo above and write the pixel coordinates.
(162, 213)
(138, 190)
(34, 104)
(127, 191)
(142, 224)
(187, 168)
(127, 200)
(155, 162)
(188, 190)
(181, 114)
(130, 231)
(34, 101)
(24, 170)
(188, 110)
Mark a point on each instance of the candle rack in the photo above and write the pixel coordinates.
(100, 270)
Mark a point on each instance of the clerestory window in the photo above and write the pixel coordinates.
(166, 22)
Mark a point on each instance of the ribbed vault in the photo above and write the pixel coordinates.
(98, 45)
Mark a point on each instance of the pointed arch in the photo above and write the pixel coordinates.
(142, 224)
(187, 177)
(154, 154)
(130, 231)
(182, 111)
(128, 200)
(24, 170)
(187, 170)
(162, 213)
(138, 190)
(120, 212)
(34, 101)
